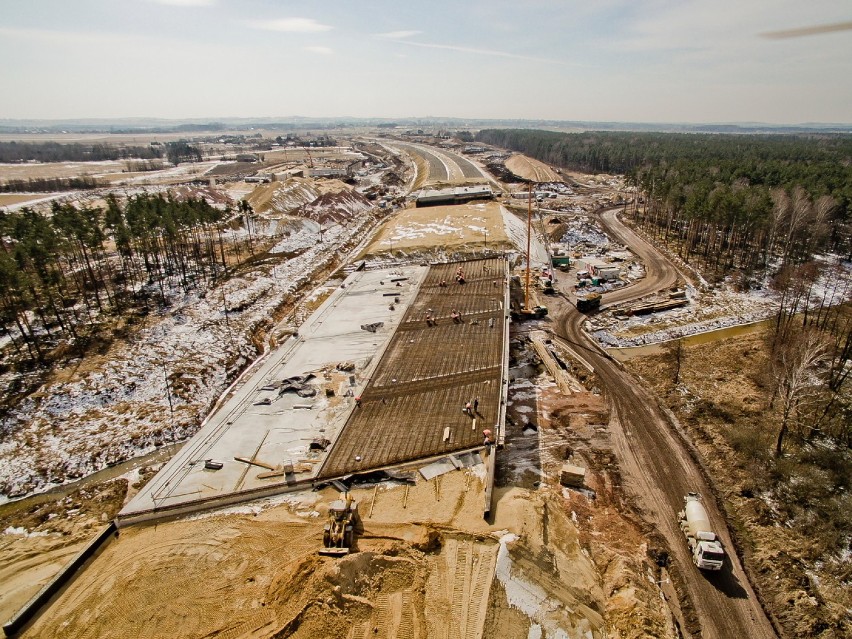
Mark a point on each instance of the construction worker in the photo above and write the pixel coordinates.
(468, 410)
(358, 401)
(476, 405)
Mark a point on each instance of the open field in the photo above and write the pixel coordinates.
(27, 170)
(11, 199)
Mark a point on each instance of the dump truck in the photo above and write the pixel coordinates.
(590, 302)
(707, 551)
(340, 528)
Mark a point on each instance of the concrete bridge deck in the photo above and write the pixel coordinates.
(413, 381)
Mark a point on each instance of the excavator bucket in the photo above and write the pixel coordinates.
(334, 552)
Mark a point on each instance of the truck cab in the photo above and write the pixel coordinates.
(708, 555)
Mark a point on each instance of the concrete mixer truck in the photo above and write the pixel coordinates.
(707, 552)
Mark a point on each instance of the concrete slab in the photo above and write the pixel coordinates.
(273, 429)
(450, 350)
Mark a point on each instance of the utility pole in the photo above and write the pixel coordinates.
(227, 321)
(168, 391)
(529, 233)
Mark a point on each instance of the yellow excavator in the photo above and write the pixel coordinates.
(339, 529)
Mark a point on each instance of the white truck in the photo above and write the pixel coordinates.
(707, 551)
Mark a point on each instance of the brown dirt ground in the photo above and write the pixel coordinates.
(425, 564)
(441, 226)
(719, 410)
(9, 199)
(423, 569)
(26, 171)
(531, 169)
(56, 531)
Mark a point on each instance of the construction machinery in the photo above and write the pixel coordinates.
(526, 311)
(707, 552)
(588, 303)
(519, 313)
(340, 527)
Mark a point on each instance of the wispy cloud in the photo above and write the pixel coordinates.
(486, 52)
(398, 35)
(186, 3)
(291, 25)
(320, 50)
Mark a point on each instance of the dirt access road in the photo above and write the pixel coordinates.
(658, 470)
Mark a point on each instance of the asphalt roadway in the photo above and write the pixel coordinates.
(657, 468)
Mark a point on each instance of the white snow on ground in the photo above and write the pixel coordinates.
(120, 407)
(20, 531)
(301, 502)
(516, 229)
(303, 234)
(184, 170)
(706, 311)
(418, 230)
(711, 308)
(531, 599)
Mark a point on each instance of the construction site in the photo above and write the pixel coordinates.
(423, 440)
(395, 367)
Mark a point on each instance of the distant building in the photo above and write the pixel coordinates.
(326, 171)
(339, 169)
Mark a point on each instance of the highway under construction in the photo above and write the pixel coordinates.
(397, 367)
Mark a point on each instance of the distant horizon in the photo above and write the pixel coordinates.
(434, 119)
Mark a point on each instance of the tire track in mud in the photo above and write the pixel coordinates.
(470, 566)
(181, 580)
(658, 469)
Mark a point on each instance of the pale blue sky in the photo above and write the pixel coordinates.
(639, 60)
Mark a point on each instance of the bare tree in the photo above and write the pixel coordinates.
(798, 384)
(674, 350)
(801, 211)
(782, 207)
